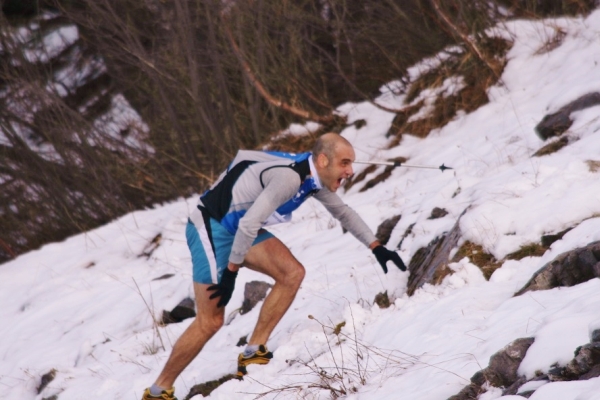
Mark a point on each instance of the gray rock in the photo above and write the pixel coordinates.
(469, 392)
(547, 240)
(428, 260)
(587, 357)
(183, 310)
(567, 269)
(585, 365)
(592, 373)
(254, 292)
(513, 389)
(438, 213)
(556, 123)
(502, 371)
(595, 336)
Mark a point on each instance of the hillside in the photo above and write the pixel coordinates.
(85, 308)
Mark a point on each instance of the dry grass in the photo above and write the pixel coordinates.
(293, 143)
(387, 172)
(552, 43)
(593, 165)
(477, 76)
(360, 177)
(382, 299)
(485, 261)
(552, 147)
(527, 250)
(440, 274)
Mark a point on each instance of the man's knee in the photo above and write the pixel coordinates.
(295, 275)
(210, 324)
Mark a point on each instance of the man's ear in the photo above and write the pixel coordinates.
(322, 160)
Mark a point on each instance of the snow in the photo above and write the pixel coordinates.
(85, 306)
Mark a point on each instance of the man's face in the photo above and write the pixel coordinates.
(333, 172)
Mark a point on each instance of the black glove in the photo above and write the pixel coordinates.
(384, 255)
(224, 289)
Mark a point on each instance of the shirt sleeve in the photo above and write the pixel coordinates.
(280, 185)
(347, 216)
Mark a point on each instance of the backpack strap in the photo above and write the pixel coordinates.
(302, 168)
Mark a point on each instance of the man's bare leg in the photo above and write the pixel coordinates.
(273, 258)
(208, 320)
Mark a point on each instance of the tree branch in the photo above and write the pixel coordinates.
(263, 91)
(464, 37)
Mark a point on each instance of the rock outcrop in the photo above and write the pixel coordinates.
(568, 269)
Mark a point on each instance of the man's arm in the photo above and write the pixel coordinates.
(348, 217)
(357, 226)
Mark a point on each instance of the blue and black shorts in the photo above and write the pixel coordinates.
(210, 244)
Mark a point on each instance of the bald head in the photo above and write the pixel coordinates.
(328, 143)
(333, 157)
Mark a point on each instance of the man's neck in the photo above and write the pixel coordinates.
(313, 173)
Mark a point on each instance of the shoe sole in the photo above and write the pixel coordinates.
(258, 359)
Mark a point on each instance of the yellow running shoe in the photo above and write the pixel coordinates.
(164, 395)
(261, 356)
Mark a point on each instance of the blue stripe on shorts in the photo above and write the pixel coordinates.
(222, 242)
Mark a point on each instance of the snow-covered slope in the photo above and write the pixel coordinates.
(85, 307)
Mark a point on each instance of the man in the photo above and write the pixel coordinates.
(226, 233)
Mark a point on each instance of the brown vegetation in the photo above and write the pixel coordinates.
(485, 261)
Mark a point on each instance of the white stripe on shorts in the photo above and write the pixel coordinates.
(198, 221)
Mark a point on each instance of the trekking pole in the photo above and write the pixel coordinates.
(399, 164)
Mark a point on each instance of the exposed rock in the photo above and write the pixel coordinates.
(502, 371)
(595, 336)
(547, 240)
(503, 367)
(438, 213)
(206, 388)
(527, 394)
(183, 310)
(427, 260)
(558, 122)
(514, 388)
(46, 379)
(567, 269)
(384, 230)
(243, 341)
(587, 357)
(254, 292)
(469, 392)
(592, 373)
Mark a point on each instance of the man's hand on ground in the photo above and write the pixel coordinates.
(384, 255)
(224, 289)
